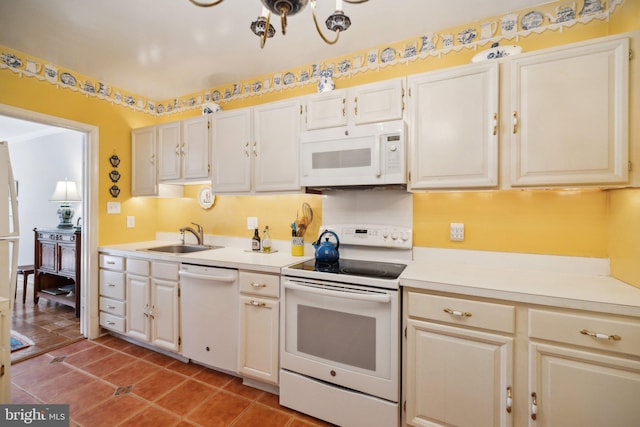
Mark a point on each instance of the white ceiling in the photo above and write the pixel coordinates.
(162, 49)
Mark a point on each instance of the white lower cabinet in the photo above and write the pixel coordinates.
(473, 362)
(153, 303)
(457, 375)
(259, 326)
(112, 293)
(584, 369)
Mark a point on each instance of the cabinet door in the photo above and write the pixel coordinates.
(277, 133)
(143, 162)
(326, 110)
(170, 151)
(457, 376)
(570, 115)
(233, 145)
(48, 256)
(258, 347)
(67, 259)
(377, 102)
(454, 128)
(583, 389)
(164, 314)
(138, 307)
(195, 152)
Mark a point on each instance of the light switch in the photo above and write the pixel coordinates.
(113, 207)
(131, 221)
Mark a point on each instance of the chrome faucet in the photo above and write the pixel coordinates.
(199, 233)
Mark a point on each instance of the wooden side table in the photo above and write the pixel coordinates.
(57, 266)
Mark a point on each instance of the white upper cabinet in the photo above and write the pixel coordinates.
(326, 110)
(569, 115)
(453, 129)
(232, 144)
(276, 128)
(183, 150)
(256, 149)
(143, 162)
(370, 103)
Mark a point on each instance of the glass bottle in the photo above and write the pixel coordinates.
(266, 240)
(255, 241)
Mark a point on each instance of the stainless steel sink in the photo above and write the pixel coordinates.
(182, 249)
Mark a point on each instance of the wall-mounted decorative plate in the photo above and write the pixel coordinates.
(206, 198)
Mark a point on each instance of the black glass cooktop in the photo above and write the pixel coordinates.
(351, 267)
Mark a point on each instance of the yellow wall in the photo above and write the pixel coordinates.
(228, 216)
(581, 223)
(540, 222)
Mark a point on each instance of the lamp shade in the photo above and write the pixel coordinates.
(66, 191)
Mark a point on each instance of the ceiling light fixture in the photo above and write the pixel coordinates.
(261, 27)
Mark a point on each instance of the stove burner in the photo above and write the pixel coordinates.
(350, 267)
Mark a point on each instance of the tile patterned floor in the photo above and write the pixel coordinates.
(110, 382)
(48, 324)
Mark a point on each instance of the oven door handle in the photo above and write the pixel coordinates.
(383, 298)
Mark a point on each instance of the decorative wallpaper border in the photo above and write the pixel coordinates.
(511, 27)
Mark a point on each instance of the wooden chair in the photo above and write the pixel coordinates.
(25, 270)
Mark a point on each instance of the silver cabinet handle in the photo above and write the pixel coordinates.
(534, 406)
(256, 303)
(258, 285)
(457, 313)
(600, 336)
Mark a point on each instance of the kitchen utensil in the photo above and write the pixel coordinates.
(327, 252)
(300, 225)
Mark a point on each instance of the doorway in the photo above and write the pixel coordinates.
(89, 326)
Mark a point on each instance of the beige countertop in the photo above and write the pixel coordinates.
(577, 288)
(229, 257)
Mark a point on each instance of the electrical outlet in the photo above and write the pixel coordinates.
(252, 222)
(456, 232)
(131, 221)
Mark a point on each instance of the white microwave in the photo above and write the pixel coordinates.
(372, 154)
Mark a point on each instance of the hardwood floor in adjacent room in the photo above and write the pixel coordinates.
(111, 382)
(48, 324)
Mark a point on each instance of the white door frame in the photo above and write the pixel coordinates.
(89, 320)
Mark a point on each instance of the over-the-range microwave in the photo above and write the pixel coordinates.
(371, 154)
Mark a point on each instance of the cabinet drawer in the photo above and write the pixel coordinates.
(260, 284)
(112, 284)
(165, 270)
(112, 262)
(112, 306)
(112, 322)
(567, 328)
(138, 266)
(477, 314)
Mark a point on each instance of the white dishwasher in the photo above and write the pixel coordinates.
(209, 315)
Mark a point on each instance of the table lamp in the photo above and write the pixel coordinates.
(65, 192)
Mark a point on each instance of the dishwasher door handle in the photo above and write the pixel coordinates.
(208, 277)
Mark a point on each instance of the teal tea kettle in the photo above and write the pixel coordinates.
(327, 252)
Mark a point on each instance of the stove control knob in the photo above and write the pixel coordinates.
(394, 235)
(393, 148)
(385, 234)
(405, 236)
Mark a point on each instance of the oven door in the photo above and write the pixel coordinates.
(342, 334)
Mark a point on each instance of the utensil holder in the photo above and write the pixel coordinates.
(297, 246)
